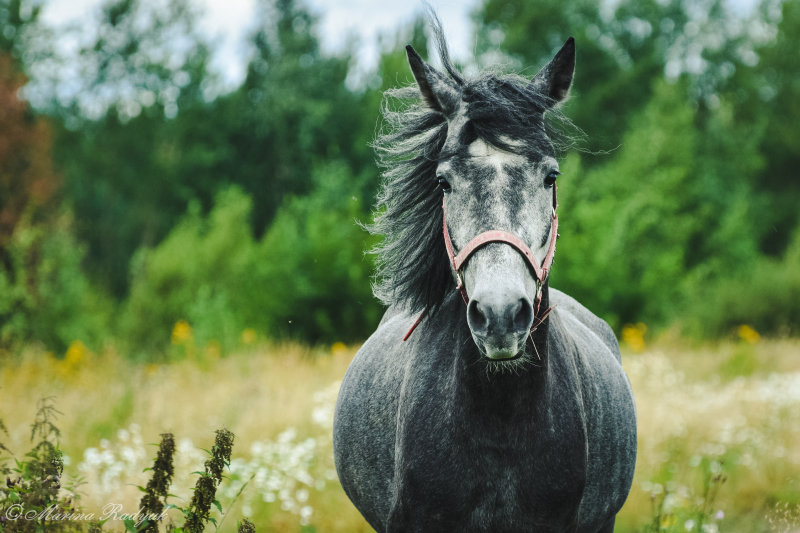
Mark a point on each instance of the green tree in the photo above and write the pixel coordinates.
(646, 230)
(626, 223)
(117, 145)
(622, 48)
(766, 98)
(17, 19)
(311, 267)
(530, 32)
(132, 57)
(699, 184)
(307, 278)
(133, 171)
(194, 274)
(292, 113)
(45, 296)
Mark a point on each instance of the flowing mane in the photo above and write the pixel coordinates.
(413, 270)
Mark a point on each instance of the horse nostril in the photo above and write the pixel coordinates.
(475, 318)
(523, 315)
(499, 319)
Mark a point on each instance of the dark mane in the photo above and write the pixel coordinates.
(413, 267)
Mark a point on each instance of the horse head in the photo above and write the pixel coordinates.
(496, 169)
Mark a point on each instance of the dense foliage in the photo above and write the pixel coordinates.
(146, 195)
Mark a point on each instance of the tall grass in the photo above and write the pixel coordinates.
(277, 400)
(719, 428)
(719, 435)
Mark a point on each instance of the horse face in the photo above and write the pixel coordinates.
(493, 188)
(497, 171)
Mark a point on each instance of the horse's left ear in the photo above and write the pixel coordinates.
(555, 78)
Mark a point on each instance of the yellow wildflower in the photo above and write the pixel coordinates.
(76, 354)
(748, 334)
(249, 336)
(633, 336)
(182, 332)
(667, 521)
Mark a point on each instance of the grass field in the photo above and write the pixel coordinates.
(719, 431)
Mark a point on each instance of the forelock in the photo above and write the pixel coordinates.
(503, 109)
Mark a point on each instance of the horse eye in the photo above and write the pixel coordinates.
(444, 184)
(550, 179)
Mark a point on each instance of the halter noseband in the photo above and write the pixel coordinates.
(540, 272)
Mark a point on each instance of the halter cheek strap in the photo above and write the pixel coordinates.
(540, 272)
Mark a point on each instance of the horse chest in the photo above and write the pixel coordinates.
(497, 466)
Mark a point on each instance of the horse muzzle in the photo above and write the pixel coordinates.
(500, 322)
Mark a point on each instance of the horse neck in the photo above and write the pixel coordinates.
(511, 386)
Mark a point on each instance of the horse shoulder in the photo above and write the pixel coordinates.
(365, 418)
(609, 409)
(371, 384)
(595, 326)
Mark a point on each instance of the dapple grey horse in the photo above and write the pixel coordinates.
(485, 400)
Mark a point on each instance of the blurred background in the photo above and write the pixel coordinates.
(180, 183)
(149, 176)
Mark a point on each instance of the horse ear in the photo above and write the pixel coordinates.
(555, 78)
(439, 93)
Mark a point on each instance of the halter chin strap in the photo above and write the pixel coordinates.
(540, 272)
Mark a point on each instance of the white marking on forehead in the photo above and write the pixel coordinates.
(493, 155)
(510, 141)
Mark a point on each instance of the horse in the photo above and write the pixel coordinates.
(485, 400)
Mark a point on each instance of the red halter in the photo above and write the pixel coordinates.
(541, 273)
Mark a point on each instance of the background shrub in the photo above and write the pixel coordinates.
(305, 278)
(45, 295)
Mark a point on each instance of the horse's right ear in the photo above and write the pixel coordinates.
(439, 93)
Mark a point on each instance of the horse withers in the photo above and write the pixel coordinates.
(485, 400)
